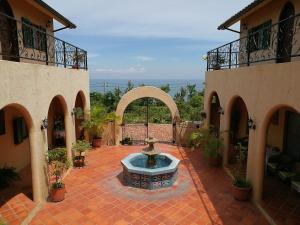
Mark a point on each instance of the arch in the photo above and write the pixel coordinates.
(285, 33)
(8, 33)
(146, 92)
(263, 143)
(16, 147)
(80, 102)
(57, 121)
(214, 117)
(237, 125)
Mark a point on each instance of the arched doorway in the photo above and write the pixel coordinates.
(281, 164)
(285, 33)
(56, 132)
(215, 113)
(79, 111)
(238, 130)
(145, 92)
(147, 117)
(15, 128)
(8, 33)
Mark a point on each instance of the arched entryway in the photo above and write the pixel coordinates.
(145, 92)
(147, 117)
(79, 113)
(15, 154)
(281, 163)
(8, 33)
(238, 130)
(285, 33)
(215, 113)
(56, 132)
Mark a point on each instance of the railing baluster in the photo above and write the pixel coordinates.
(76, 55)
(64, 49)
(230, 46)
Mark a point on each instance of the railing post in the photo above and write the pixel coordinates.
(217, 62)
(86, 60)
(248, 50)
(65, 60)
(207, 61)
(76, 59)
(230, 51)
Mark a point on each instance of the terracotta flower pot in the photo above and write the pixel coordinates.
(97, 142)
(241, 194)
(58, 194)
(215, 161)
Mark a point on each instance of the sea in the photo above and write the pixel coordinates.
(106, 85)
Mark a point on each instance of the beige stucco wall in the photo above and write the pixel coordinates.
(17, 156)
(34, 86)
(264, 89)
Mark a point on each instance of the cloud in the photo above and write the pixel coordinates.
(155, 18)
(144, 58)
(130, 70)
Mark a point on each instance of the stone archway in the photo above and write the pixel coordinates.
(145, 92)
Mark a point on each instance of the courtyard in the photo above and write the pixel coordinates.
(96, 195)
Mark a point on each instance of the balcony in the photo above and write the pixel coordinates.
(22, 41)
(277, 43)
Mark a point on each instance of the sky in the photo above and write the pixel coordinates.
(147, 39)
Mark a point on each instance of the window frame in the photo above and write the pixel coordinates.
(259, 37)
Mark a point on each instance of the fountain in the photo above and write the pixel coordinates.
(150, 169)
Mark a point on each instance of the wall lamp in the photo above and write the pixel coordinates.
(73, 112)
(251, 124)
(221, 110)
(44, 124)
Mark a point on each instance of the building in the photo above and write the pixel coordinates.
(252, 92)
(43, 80)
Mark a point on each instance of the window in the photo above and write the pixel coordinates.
(2, 122)
(34, 36)
(259, 37)
(20, 130)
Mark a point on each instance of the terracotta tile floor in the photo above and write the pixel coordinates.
(15, 209)
(281, 203)
(96, 195)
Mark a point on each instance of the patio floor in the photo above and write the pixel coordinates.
(96, 195)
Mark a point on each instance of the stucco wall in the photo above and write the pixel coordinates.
(34, 86)
(264, 88)
(11, 154)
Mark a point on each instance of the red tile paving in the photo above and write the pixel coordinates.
(96, 195)
(15, 209)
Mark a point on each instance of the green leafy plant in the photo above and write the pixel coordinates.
(213, 147)
(59, 162)
(200, 137)
(81, 147)
(98, 120)
(239, 180)
(2, 221)
(7, 176)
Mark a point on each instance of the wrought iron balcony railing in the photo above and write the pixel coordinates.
(276, 43)
(23, 41)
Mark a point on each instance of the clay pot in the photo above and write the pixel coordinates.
(97, 142)
(58, 194)
(241, 194)
(215, 161)
(79, 161)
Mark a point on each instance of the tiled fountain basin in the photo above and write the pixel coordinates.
(148, 178)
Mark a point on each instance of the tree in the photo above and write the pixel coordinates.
(130, 86)
(191, 89)
(165, 88)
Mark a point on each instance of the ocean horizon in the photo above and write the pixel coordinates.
(106, 85)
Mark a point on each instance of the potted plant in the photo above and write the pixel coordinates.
(7, 176)
(241, 187)
(211, 145)
(78, 58)
(59, 163)
(96, 123)
(79, 149)
(212, 150)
